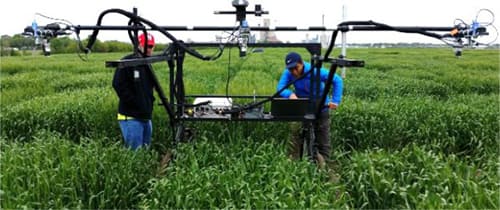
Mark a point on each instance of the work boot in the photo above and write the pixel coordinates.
(329, 166)
(320, 160)
(332, 168)
(165, 161)
(332, 176)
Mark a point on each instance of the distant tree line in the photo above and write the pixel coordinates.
(19, 45)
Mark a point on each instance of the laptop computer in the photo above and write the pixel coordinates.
(286, 108)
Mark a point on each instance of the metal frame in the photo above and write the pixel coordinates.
(176, 107)
(176, 104)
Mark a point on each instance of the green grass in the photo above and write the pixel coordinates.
(53, 172)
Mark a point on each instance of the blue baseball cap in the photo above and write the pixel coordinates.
(292, 59)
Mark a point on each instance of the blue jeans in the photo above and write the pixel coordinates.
(136, 133)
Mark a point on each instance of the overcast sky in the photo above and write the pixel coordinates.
(17, 14)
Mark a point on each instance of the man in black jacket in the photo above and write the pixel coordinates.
(134, 87)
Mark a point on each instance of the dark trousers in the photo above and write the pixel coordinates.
(321, 131)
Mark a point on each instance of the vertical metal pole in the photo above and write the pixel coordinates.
(344, 42)
(171, 66)
(344, 52)
(311, 84)
(136, 34)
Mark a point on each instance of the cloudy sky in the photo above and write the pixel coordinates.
(18, 14)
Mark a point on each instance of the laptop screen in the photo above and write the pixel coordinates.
(283, 107)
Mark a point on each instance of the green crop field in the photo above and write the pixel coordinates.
(417, 128)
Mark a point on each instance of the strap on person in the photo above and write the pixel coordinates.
(124, 117)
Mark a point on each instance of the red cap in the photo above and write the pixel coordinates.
(151, 40)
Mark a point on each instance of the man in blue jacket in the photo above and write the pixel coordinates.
(295, 68)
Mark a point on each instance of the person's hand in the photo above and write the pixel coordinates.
(332, 105)
(293, 96)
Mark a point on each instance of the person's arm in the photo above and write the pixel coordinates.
(284, 80)
(338, 89)
(123, 85)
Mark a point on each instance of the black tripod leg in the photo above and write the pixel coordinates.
(303, 134)
(179, 133)
(310, 142)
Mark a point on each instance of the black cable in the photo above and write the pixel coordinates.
(377, 25)
(56, 19)
(419, 31)
(67, 25)
(228, 73)
(332, 44)
(93, 37)
(492, 17)
(230, 38)
(80, 46)
(256, 104)
(487, 24)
